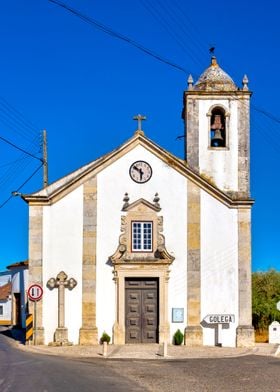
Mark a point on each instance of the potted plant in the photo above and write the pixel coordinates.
(105, 338)
(178, 337)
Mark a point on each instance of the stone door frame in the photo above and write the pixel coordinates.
(141, 270)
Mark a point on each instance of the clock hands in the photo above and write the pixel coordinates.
(140, 171)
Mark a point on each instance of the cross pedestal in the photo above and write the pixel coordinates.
(61, 282)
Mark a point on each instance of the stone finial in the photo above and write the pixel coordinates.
(126, 200)
(156, 200)
(245, 82)
(190, 82)
(214, 62)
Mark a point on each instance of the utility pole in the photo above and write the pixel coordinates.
(45, 159)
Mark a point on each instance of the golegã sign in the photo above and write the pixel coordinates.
(219, 318)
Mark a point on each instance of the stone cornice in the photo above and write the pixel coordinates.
(224, 94)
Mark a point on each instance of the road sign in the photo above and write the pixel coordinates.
(219, 318)
(35, 292)
(278, 305)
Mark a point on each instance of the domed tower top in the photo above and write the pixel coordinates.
(215, 79)
(217, 127)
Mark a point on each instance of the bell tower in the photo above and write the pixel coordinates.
(216, 115)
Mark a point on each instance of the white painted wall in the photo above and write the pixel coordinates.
(112, 184)
(5, 278)
(219, 266)
(19, 280)
(6, 304)
(20, 285)
(62, 247)
(62, 251)
(221, 165)
(7, 310)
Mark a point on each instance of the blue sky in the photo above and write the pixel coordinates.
(84, 87)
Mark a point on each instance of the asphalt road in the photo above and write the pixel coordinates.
(22, 372)
(243, 374)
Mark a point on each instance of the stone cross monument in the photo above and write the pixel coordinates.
(61, 282)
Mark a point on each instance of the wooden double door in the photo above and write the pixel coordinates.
(141, 310)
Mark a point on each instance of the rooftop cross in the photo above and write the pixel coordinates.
(139, 118)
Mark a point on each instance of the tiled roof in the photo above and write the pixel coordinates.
(5, 291)
(18, 264)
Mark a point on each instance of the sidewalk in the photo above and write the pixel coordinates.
(142, 351)
(151, 351)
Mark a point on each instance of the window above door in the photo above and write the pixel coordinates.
(142, 236)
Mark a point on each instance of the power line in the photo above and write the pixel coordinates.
(162, 12)
(11, 163)
(16, 113)
(154, 11)
(19, 125)
(21, 186)
(19, 148)
(266, 113)
(115, 34)
(171, 11)
(14, 172)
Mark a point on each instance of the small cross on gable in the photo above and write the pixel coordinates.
(139, 118)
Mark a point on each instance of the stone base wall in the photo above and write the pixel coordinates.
(245, 336)
(118, 334)
(88, 336)
(61, 335)
(164, 333)
(40, 339)
(193, 336)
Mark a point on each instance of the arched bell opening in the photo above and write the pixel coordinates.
(218, 130)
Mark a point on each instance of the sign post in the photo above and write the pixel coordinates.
(35, 293)
(217, 321)
(219, 318)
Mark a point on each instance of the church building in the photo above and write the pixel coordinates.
(166, 246)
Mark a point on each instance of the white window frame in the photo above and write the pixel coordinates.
(140, 247)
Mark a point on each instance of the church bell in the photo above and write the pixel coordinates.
(217, 139)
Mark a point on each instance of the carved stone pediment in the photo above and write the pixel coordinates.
(141, 210)
(141, 205)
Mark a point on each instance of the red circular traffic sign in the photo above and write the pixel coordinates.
(35, 292)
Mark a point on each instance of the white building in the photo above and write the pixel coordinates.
(5, 298)
(19, 281)
(155, 243)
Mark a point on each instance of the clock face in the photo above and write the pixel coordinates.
(140, 172)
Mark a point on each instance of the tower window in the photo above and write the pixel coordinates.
(218, 128)
(142, 236)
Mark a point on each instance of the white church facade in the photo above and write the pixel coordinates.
(140, 243)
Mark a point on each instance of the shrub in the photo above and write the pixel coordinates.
(105, 338)
(178, 337)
